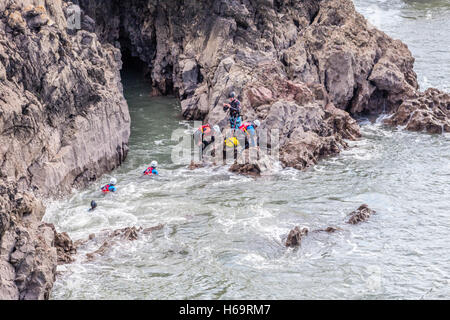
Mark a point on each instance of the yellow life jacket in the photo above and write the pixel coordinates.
(231, 142)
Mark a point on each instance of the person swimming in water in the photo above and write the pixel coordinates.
(93, 206)
(110, 187)
(152, 169)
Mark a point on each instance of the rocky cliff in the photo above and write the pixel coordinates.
(63, 122)
(303, 67)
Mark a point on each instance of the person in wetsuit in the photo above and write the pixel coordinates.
(234, 107)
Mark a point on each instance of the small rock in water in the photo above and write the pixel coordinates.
(361, 214)
(193, 165)
(295, 236)
(252, 162)
(151, 229)
(328, 229)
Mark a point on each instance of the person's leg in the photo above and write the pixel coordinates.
(252, 136)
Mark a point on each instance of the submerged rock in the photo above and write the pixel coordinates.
(328, 229)
(127, 233)
(195, 165)
(361, 214)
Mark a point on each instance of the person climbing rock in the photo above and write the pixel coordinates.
(110, 187)
(152, 169)
(235, 111)
(93, 206)
(202, 134)
(248, 128)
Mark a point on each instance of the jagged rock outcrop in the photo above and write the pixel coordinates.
(29, 249)
(300, 67)
(253, 162)
(65, 248)
(64, 120)
(295, 236)
(428, 111)
(361, 214)
(63, 123)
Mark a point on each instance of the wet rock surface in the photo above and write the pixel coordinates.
(253, 162)
(110, 238)
(295, 236)
(361, 214)
(28, 256)
(428, 111)
(65, 248)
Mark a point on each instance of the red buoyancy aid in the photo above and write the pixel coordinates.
(245, 125)
(149, 171)
(105, 189)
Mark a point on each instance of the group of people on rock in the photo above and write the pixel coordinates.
(204, 136)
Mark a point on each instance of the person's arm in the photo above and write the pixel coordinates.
(154, 171)
(112, 188)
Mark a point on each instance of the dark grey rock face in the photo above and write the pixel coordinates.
(63, 123)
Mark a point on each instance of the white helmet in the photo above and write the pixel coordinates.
(216, 128)
(257, 123)
(113, 181)
(154, 164)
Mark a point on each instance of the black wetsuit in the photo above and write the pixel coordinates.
(235, 113)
